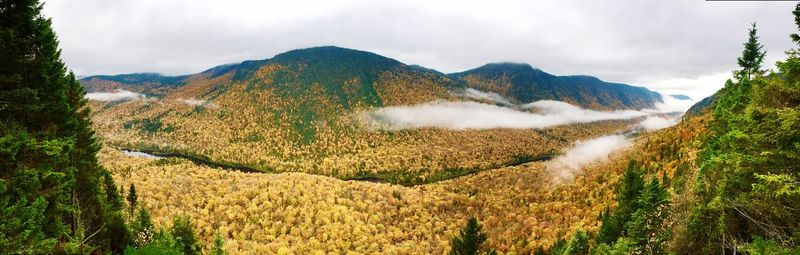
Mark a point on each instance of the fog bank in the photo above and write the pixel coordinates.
(566, 166)
(117, 95)
(473, 115)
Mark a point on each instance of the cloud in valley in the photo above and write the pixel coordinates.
(670, 104)
(484, 95)
(655, 123)
(117, 95)
(473, 115)
(566, 166)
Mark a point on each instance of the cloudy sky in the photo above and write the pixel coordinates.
(672, 46)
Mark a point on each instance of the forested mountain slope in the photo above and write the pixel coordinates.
(303, 110)
(723, 181)
(525, 84)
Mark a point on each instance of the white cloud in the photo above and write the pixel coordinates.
(472, 115)
(584, 153)
(484, 95)
(670, 104)
(118, 95)
(655, 123)
(633, 41)
(198, 102)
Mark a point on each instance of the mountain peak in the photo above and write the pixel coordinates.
(506, 66)
(333, 54)
(681, 97)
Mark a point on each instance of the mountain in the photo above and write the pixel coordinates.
(681, 97)
(524, 84)
(333, 67)
(305, 110)
(703, 106)
(147, 83)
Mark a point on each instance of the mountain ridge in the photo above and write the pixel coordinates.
(523, 83)
(330, 64)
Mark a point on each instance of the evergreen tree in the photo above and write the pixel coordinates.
(143, 229)
(132, 197)
(578, 244)
(52, 184)
(185, 237)
(795, 37)
(752, 154)
(610, 230)
(752, 56)
(470, 240)
(613, 223)
(217, 248)
(646, 226)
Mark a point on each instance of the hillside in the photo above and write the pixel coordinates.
(524, 84)
(724, 180)
(303, 110)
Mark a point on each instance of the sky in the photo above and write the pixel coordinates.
(671, 46)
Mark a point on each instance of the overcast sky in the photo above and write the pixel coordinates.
(672, 46)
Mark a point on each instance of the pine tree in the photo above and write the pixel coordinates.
(143, 228)
(49, 168)
(795, 37)
(613, 222)
(578, 244)
(470, 240)
(610, 230)
(646, 225)
(752, 56)
(217, 248)
(185, 237)
(132, 197)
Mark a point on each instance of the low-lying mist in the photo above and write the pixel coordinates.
(472, 115)
(117, 95)
(655, 123)
(566, 166)
(504, 114)
(483, 95)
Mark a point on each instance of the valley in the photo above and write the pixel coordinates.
(333, 150)
(297, 213)
(279, 171)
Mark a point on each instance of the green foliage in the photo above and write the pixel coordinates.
(528, 84)
(185, 238)
(217, 248)
(162, 243)
(53, 190)
(747, 183)
(578, 244)
(631, 186)
(795, 37)
(178, 239)
(142, 228)
(752, 56)
(558, 247)
(148, 125)
(760, 246)
(622, 246)
(470, 240)
(132, 198)
(647, 226)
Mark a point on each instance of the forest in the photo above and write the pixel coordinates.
(723, 180)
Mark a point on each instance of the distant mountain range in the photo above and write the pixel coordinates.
(681, 97)
(305, 110)
(524, 84)
(353, 78)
